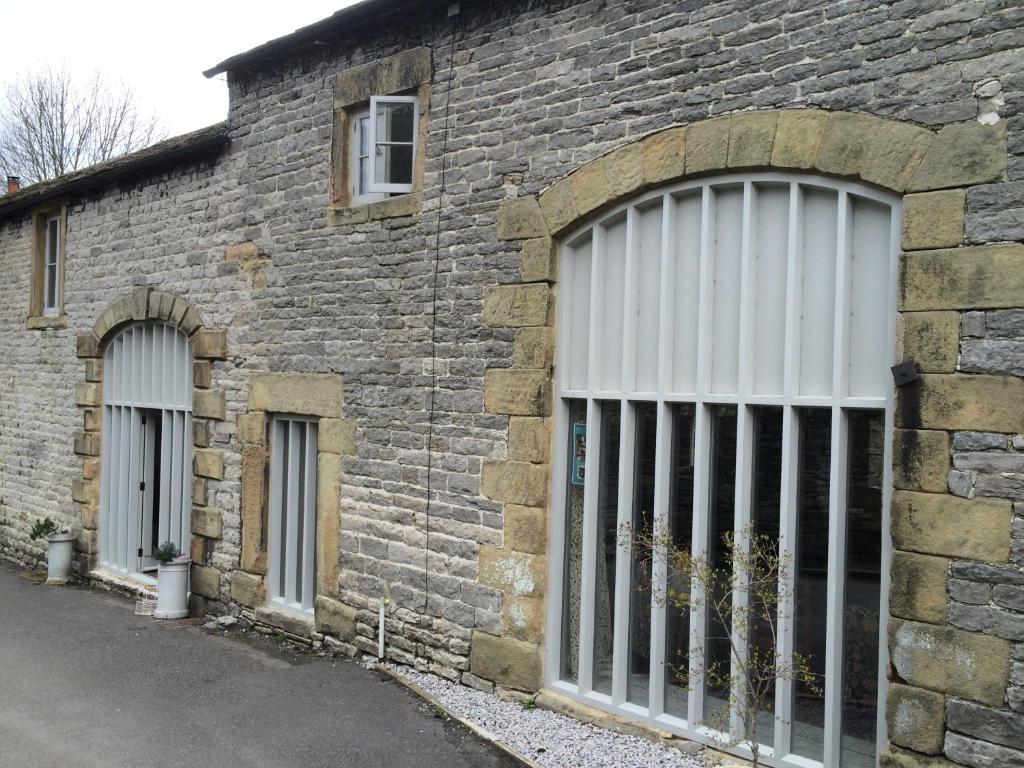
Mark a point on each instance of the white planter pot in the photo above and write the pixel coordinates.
(58, 558)
(172, 590)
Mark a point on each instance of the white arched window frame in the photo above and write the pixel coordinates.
(719, 293)
(146, 455)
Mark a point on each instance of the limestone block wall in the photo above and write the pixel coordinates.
(440, 319)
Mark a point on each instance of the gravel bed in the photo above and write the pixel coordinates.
(550, 739)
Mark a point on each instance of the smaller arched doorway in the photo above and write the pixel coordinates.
(146, 460)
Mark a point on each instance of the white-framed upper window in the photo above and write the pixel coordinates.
(393, 128)
(723, 364)
(51, 266)
(292, 540)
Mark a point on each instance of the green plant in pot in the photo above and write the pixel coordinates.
(172, 581)
(60, 549)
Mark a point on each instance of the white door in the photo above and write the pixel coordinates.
(145, 495)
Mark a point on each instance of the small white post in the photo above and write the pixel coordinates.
(380, 632)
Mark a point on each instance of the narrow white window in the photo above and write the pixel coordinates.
(51, 267)
(392, 147)
(360, 172)
(293, 454)
(723, 358)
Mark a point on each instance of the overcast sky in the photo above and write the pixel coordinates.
(160, 49)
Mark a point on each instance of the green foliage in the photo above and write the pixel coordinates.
(43, 529)
(745, 600)
(166, 552)
(530, 703)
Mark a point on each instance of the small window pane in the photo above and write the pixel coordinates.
(293, 513)
(395, 122)
(607, 544)
(863, 586)
(811, 576)
(364, 136)
(638, 686)
(573, 565)
(394, 164)
(722, 504)
(680, 524)
(50, 280)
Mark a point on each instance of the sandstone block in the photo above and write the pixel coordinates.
(208, 404)
(847, 139)
(962, 402)
(975, 277)
(526, 529)
(590, 188)
(206, 521)
(520, 218)
(515, 482)
(247, 589)
(918, 590)
(328, 522)
(210, 344)
(310, 394)
(528, 439)
(916, 718)
(515, 574)
(934, 219)
(930, 339)
(337, 436)
(664, 155)
(961, 155)
(251, 428)
(707, 145)
(516, 392)
(335, 618)
(539, 260)
(752, 139)
(514, 306)
(949, 660)
(895, 154)
(558, 206)
(533, 347)
(505, 661)
(205, 581)
(208, 462)
(798, 137)
(921, 460)
(938, 524)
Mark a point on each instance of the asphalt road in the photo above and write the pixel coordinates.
(85, 683)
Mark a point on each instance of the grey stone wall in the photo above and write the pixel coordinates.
(536, 90)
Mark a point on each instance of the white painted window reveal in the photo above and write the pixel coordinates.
(146, 455)
(292, 540)
(723, 360)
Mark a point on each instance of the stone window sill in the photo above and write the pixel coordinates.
(43, 322)
(393, 207)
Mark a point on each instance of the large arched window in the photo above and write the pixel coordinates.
(723, 363)
(146, 464)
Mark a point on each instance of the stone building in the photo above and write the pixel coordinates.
(361, 342)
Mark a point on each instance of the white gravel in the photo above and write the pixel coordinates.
(550, 739)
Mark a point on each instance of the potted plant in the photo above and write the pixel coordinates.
(60, 549)
(172, 582)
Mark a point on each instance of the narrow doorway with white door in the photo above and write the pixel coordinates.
(146, 456)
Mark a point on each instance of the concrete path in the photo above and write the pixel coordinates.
(86, 683)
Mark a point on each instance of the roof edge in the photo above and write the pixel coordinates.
(193, 144)
(362, 11)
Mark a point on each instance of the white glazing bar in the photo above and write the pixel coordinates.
(138, 363)
(588, 570)
(787, 553)
(745, 364)
(166, 448)
(106, 445)
(740, 598)
(837, 497)
(557, 535)
(136, 473)
(659, 579)
(707, 286)
(623, 555)
(629, 303)
(121, 513)
(699, 548)
(184, 528)
(146, 365)
(291, 539)
(310, 511)
(177, 471)
(565, 295)
(666, 332)
(883, 624)
(276, 513)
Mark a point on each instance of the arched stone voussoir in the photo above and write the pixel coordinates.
(894, 155)
(148, 304)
